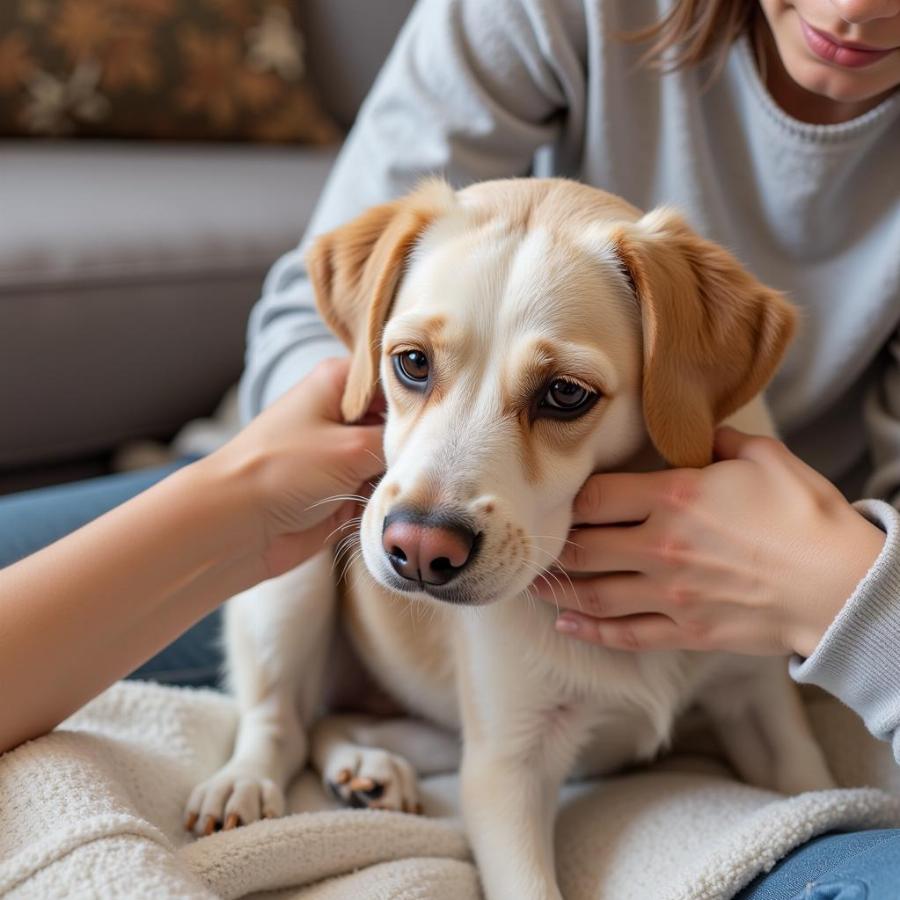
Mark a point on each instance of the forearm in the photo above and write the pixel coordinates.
(71, 625)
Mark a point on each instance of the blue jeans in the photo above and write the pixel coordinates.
(862, 865)
(33, 519)
(858, 865)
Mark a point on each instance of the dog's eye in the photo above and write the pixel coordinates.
(411, 367)
(566, 399)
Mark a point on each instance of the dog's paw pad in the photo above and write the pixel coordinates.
(365, 778)
(230, 799)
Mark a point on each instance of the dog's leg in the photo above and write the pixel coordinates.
(761, 723)
(277, 639)
(509, 802)
(369, 762)
(520, 743)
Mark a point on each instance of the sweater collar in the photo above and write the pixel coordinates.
(818, 134)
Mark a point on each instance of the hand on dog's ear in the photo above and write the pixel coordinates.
(713, 335)
(355, 271)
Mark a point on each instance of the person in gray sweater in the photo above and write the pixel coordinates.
(775, 128)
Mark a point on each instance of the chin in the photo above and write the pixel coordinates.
(839, 86)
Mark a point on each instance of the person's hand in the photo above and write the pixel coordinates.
(304, 471)
(756, 553)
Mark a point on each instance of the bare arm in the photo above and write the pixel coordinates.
(90, 608)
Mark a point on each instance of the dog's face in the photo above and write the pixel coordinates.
(511, 366)
(528, 333)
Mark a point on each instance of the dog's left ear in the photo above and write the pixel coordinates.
(356, 270)
(713, 335)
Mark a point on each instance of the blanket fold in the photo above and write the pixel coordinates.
(95, 810)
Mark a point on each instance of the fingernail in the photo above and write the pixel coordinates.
(566, 625)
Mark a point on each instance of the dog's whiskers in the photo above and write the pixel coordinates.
(375, 456)
(553, 537)
(539, 573)
(562, 572)
(350, 561)
(344, 548)
(350, 523)
(339, 498)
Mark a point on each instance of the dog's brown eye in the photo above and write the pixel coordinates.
(412, 368)
(566, 399)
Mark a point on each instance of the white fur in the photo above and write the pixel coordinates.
(533, 706)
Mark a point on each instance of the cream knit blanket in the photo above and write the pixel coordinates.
(95, 810)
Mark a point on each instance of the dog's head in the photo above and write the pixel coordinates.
(528, 333)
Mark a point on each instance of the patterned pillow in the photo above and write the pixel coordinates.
(171, 69)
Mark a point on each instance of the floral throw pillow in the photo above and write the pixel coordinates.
(168, 69)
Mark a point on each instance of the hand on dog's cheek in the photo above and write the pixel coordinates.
(756, 553)
(377, 411)
(302, 469)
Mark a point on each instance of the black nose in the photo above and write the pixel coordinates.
(428, 551)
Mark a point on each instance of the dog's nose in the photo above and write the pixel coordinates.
(427, 553)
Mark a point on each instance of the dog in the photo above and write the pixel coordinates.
(527, 333)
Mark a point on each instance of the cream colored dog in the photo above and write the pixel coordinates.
(527, 333)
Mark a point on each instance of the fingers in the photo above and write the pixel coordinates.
(729, 443)
(289, 550)
(324, 386)
(607, 549)
(330, 378)
(620, 497)
(363, 443)
(341, 523)
(609, 595)
(376, 411)
(365, 453)
(634, 633)
(770, 454)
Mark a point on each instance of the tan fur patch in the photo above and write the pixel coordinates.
(557, 204)
(713, 334)
(355, 271)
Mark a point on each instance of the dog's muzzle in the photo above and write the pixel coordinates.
(429, 550)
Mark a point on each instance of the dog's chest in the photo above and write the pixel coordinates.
(522, 674)
(507, 666)
(404, 645)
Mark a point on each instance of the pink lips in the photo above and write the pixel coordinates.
(849, 55)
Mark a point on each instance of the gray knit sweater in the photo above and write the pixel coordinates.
(481, 89)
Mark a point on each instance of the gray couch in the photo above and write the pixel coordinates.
(127, 270)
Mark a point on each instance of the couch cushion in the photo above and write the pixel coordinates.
(126, 276)
(172, 69)
(347, 41)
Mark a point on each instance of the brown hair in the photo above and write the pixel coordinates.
(696, 31)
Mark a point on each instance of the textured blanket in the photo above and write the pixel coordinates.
(95, 810)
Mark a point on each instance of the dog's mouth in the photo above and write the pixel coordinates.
(440, 580)
(448, 554)
(453, 594)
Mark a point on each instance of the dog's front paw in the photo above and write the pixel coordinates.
(232, 797)
(363, 777)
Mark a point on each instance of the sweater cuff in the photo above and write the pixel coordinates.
(858, 658)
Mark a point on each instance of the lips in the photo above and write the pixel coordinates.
(848, 55)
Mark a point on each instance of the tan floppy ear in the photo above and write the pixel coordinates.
(355, 271)
(713, 334)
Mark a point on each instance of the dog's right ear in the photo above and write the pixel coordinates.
(355, 271)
